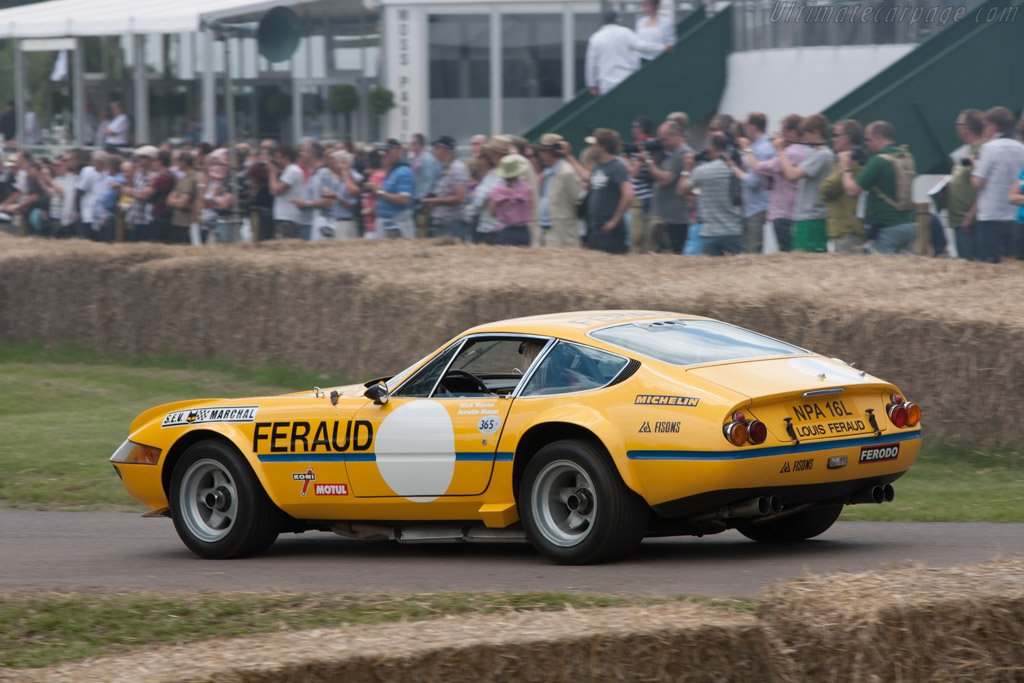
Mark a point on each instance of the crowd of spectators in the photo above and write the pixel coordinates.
(811, 185)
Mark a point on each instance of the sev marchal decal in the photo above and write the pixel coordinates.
(194, 416)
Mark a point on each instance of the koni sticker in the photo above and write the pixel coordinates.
(194, 416)
(305, 478)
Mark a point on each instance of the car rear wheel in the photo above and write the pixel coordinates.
(220, 509)
(798, 527)
(575, 507)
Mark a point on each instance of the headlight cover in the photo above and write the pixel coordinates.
(132, 453)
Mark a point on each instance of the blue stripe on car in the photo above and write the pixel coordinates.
(806, 447)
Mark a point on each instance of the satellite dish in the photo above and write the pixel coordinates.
(278, 34)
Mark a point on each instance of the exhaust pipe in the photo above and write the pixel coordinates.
(874, 494)
(755, 507)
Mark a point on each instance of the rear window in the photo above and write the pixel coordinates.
(693, 342)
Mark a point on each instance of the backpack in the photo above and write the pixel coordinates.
(903, 173)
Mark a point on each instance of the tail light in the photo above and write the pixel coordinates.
(757, 432)
(898, 414)
(902, 412)
(736, 433)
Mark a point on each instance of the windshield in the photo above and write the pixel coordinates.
(694, 342)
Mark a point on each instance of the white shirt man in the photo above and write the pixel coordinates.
(117, 129)
(612, 55)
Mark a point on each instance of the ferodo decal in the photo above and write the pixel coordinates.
(655, 400)
(330, 489)
(194, 416)
(305, 478)
(880, 453)
(325, 436)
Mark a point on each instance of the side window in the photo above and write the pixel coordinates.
(423, 383)
(570, 368)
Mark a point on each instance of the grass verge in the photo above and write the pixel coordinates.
(37, 631)
(64, 411)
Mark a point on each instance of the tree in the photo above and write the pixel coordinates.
(381, 101)
(344, 99)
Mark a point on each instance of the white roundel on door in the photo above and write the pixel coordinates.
(415, 450)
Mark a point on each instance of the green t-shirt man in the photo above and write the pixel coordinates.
(879, 173)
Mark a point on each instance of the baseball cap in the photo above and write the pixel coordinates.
(445, 142)
(146, 151)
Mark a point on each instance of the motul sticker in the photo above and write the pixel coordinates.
(330, 489)
(880, 453)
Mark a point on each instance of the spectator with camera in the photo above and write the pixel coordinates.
(288, 182)
(560, 187)
(756, 190)
(888, 178)
(394, 195)
(721, 222)
(783, 196)
(809, 210)
(642, 222)
(844, 227)
(664, 162)
(445, 202)
(995, 173)
(609, 196)
(961, 197)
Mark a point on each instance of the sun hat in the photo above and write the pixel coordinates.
(146, 151)
(502, 144)
(548, 141)
(512, 166)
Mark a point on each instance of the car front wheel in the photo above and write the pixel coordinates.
(220, 509)
(575, 507)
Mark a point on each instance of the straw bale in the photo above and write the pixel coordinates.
(938, 328)
(908, 623)
(669, 642)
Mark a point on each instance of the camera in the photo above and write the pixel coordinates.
(860, 154)
(650, 145)
(559, 149)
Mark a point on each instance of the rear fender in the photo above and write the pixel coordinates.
(566, 422)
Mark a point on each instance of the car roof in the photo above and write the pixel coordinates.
(572, 325)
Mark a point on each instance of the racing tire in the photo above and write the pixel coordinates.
(575, 507)
(219, 507)
(798, 527)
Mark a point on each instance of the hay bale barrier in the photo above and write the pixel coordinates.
(939, 328)
(902, 624)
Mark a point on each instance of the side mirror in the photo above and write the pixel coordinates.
(378, 392)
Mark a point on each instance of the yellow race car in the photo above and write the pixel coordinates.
(580, 433)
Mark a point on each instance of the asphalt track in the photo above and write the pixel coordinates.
(118, 551)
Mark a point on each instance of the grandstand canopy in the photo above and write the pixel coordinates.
(77, 18)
